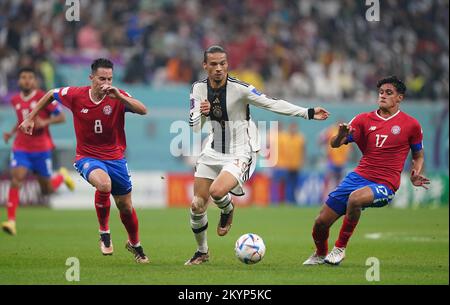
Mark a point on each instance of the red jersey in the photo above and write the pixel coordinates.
(99, 127)
(41, 139)
(385, 144)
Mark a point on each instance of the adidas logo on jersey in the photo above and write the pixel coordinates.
(84, 110)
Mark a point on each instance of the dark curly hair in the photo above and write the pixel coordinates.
(397, 83)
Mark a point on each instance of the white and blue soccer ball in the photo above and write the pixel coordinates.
(250, 248)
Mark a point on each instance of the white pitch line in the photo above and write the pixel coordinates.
(373, 235)
(401, 237)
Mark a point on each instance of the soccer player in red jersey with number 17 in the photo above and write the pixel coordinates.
(385, 137)
(32, 153)
(99, 118)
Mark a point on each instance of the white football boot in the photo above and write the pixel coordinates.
(314, 259)
(336, 256)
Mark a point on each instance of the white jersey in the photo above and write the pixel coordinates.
(232, 130)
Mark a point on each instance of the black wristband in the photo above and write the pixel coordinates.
(311, 113)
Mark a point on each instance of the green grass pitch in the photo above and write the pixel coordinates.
(411, 245)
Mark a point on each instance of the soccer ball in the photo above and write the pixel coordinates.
(250, 248)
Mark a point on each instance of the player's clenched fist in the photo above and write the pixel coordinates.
(205, 107)
(27, 126)
(345, 129)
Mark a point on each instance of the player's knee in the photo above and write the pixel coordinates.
(198, 205)
(217, 192)
(125, 209)
(104, 186)
(320, 224)
(354, 200)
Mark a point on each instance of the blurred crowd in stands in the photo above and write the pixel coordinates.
(322, 49)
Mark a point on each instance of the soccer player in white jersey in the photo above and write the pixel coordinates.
(229, 157)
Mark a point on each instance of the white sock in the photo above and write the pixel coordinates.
(199, 224)
(225, 203)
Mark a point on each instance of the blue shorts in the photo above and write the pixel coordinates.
(116, 169)
(337, 200)
(37, 162)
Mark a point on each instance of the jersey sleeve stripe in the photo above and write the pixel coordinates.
(235, 80)
(350, 138)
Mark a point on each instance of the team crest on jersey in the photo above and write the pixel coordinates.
(217, 111)
(395, 129)
(107, 110)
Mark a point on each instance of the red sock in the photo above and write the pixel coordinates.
(130, 222)
(346, 232)
(13, 203)
(320, 238)
(56, 181)
(102, 206)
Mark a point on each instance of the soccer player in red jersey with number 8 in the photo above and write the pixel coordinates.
(99, 119)
(385, 137)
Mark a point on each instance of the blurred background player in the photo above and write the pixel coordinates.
(278, 173)
(385, 137)
(32, 153)
(229, 158)
(291, 156)
(99, 118)
(337, 158)
(295, 154)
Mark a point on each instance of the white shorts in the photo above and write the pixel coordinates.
(211, 163)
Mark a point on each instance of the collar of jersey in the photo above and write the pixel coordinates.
(92, 100)
(386, 119)
(29, 96)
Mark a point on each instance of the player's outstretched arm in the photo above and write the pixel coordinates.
(54, 119)
(417, 179)
(130, 103)
(341, 138)
(28, 123)
(283, 107)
